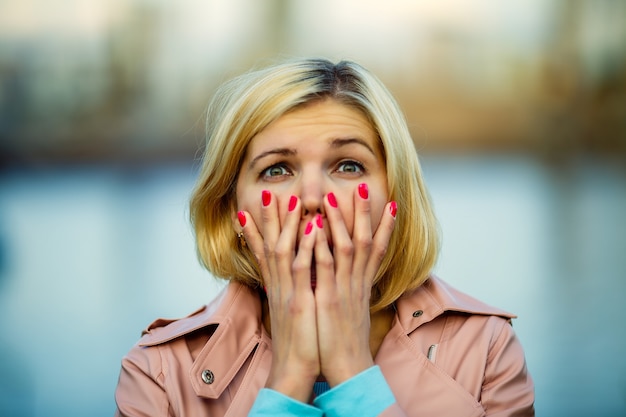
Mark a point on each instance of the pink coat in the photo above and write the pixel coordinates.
(446, 354)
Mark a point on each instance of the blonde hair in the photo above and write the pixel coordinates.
(244, 106)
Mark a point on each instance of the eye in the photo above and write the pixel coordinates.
(350, 167)
(275, 171)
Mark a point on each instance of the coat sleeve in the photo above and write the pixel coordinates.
(508, 389)
(140, 391)
(270, 403)
(366, 394)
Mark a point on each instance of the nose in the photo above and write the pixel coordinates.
(313, 188)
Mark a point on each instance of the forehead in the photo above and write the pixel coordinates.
(322, 121)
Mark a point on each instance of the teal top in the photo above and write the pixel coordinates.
(366, 394)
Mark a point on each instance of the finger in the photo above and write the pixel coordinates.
(362, 234)
(382, 236)
(270, 223)
(286, 246)
(254, 241)
(342, 246)
(324, 262)
(302, 263)
(270, 229)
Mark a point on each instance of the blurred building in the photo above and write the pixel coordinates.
(129, 79)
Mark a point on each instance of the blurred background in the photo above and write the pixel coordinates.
(518, 110)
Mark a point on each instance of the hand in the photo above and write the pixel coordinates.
(345, 277)
(325, 331)
(287, 279)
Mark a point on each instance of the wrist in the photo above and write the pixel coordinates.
(293, 385)
(336, 375)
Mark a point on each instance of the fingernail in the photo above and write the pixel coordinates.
(266, 196)
(242, 218)
(292, 202)
(363, 191)
(332, 200)
(393, 209)
(319, 221)
(309, 228)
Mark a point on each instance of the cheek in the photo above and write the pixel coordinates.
(379, 201)
(247, 202)
(378, 205)
(346, 208)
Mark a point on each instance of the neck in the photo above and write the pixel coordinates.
(381, 322)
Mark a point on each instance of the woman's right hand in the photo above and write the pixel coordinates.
(286, 271)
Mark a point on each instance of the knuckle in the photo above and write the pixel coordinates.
(345, 249)
(379, 252)
(325, 262)
(269, 250)
(328, 303)
(281, 253)
(363, 242)
(294, 309)
(259, 257)
(299, 266)
(266, 215)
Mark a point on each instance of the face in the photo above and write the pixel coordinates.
(309, 152)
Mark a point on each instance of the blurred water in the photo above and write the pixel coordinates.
(89, 256)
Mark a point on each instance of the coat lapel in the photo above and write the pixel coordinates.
(420, 387)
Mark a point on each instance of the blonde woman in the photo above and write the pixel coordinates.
(311, 203)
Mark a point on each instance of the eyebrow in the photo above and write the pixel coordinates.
(339, 142)
(278, 151)
(335, 143)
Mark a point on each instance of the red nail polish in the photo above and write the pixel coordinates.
(332, 200)
(292, 202)
(319, 221)
(309, 228)
(363, 191)
(393, 209)
(242, 218)
(266, 197)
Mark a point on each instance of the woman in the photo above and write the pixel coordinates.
(310, 201)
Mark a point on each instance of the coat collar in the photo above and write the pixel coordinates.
(234, 302)
(236, 315)
(436, 297)
(237, 303)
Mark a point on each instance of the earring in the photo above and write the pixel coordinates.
(242, 240)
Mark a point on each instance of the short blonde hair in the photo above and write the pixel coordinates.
(244, 106)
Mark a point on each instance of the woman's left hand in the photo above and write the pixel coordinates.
(345, 276)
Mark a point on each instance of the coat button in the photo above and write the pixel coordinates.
(417, 313)
(207, 376)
